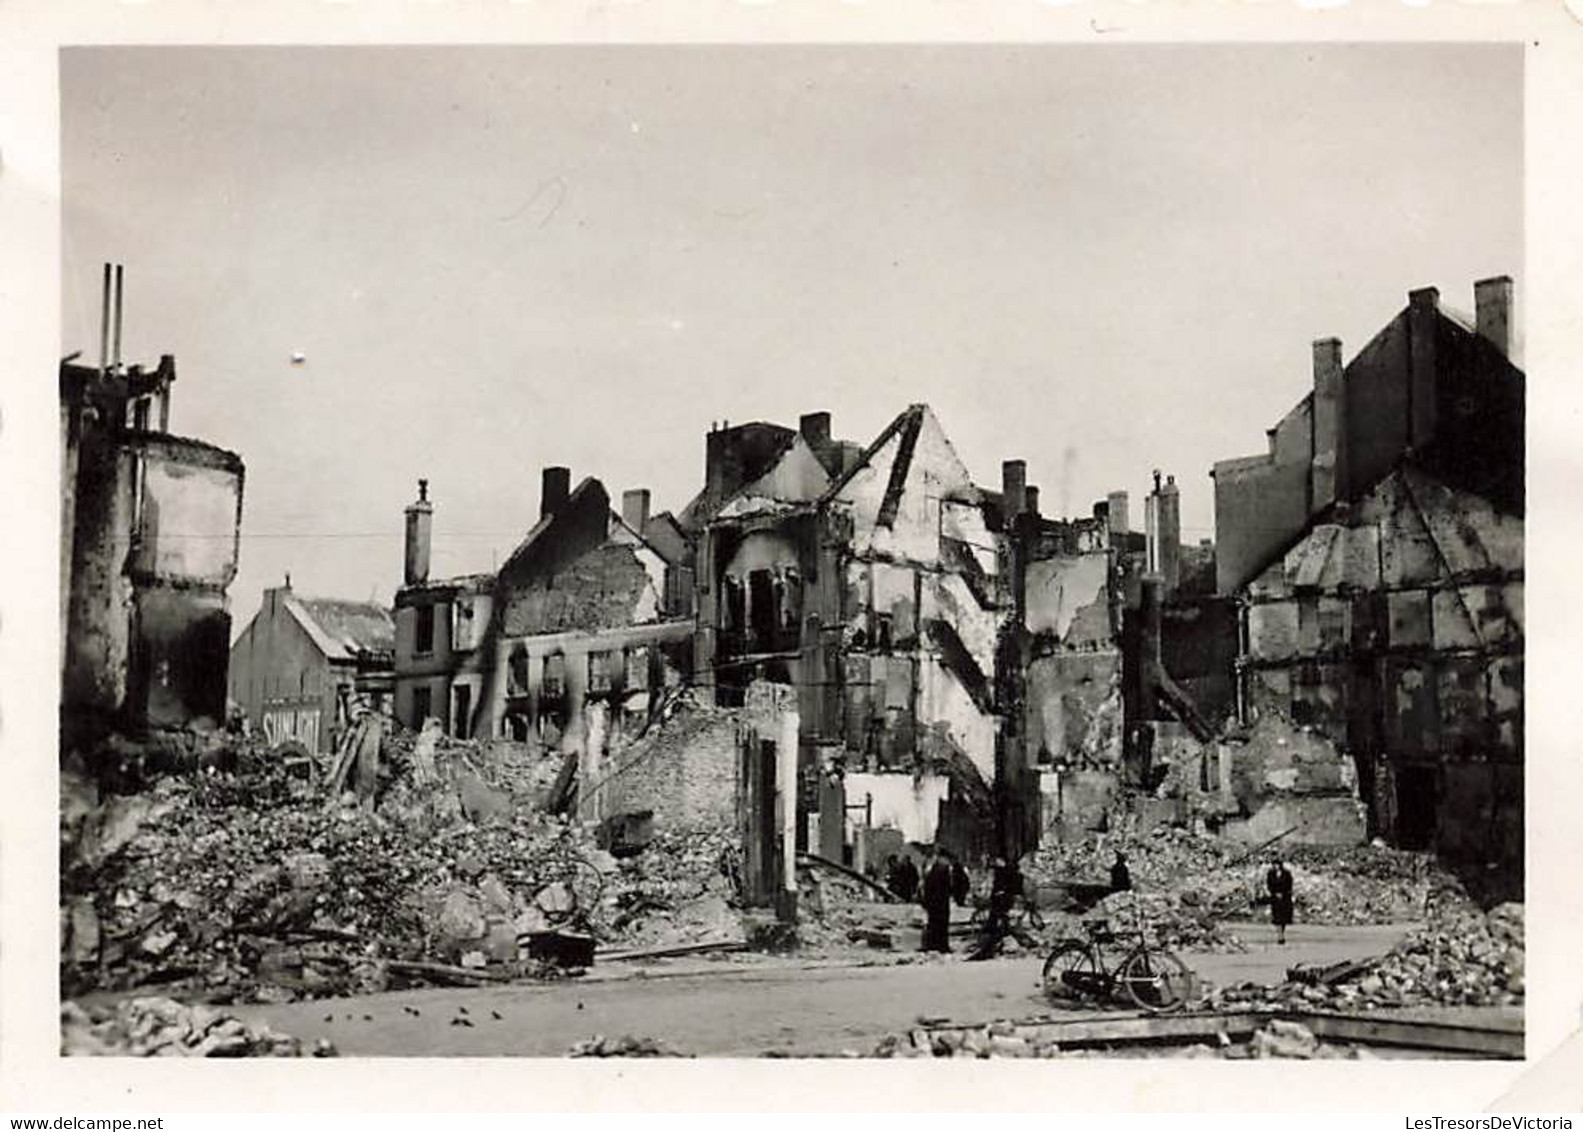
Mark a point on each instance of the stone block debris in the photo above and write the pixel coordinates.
(162, 1027)
(256, 884)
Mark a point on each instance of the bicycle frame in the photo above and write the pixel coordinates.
(1147, 973)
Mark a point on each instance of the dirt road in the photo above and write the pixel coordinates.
(745, 1009)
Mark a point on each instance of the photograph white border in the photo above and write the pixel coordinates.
(33, 1077)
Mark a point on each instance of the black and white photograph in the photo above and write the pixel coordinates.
(709, 550)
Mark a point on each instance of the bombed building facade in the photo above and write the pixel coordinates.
(1343, 662)
(1375, 554)
(877, 584)
(587, 621)
(150, 526)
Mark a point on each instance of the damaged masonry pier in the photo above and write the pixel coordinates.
(749, 734)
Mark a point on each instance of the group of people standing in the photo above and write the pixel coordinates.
(944, 881)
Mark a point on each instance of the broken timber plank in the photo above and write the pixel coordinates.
(1145, 1028)
(664, 952)
(1486, 1041)
(460, 975)
(851, 874)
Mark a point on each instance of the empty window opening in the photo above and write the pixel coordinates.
(462, 711)
(1417, 806)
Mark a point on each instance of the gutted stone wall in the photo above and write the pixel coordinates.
(684, 769)
(157, 522)
(1398, 634)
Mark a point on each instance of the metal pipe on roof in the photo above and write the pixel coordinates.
(118, 295)
(104, 323)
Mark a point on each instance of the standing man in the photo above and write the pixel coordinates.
(936, 900)
(892, 877)
(1278, 883)
(1120, 876)
(1005, 888)
(906, 882)
(961, 883)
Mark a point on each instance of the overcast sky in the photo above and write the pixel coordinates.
(1103, 260)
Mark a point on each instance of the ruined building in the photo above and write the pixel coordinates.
(1179, 643)
(878, 584)
(1376, 556)
(588, 620)
(149, 541)
(304, 665)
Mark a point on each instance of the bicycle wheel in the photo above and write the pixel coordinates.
(1156, 979)
(1071, 971)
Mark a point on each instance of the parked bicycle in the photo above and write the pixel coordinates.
(1152, 977)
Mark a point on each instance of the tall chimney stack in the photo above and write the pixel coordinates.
(1327, 475)
(104, 325)
(1169, 530)
(1014, 487)
(420, 529)
(1030, 499)
(1492, 305)
(115, 354)
(1423, 311)
(1119, 520)
(815, 429)
(635, 508)
(556, 487)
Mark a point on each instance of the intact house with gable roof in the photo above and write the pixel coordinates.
(304, 666)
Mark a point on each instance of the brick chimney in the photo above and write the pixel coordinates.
(1327, 474)
(635, 508)
(557, 486)
(1168, 530)
(420, 529)
(1492, 305)
(1117, 511)
(1423, 312)
(815, 429)
(1014, 487)
(1030, 496)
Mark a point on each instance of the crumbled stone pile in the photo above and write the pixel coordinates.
(250, 885)
(1462, 957)
(162, 1027)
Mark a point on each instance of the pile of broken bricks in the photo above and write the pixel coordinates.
(250, 885)
(1277, 1038)
(162, 1027)
(1462, 957)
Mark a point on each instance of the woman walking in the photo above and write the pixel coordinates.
(1278, 883)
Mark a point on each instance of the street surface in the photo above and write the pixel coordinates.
(748, 1006)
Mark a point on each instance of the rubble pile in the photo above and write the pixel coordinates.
(998, 1039)
(250, 884)
(1462, 957)
(682, 889)
(1279, 1038)
(1366, 884)
(1173, 920)
(837, 913)
(624, 1046)
(162, 1027)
